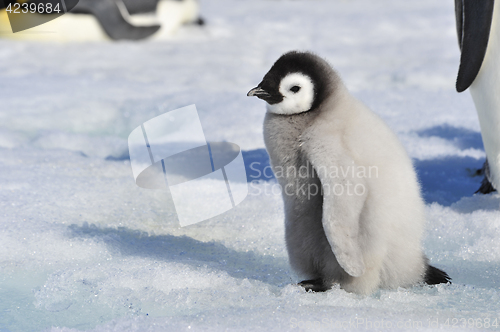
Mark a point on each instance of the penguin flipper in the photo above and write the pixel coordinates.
(459, 20)
(340, 212)
(473, 20)
(108, 13)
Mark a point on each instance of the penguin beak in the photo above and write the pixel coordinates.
(264, 95)
(259, 93)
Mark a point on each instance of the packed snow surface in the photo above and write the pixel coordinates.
(83, 248)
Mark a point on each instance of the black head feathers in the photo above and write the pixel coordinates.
(306, 63)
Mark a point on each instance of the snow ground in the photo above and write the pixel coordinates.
(84, 248)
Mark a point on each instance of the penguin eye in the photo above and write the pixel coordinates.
(295, 88)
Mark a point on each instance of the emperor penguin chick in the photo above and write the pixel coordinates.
(353, 210)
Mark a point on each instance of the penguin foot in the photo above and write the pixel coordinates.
(486, 186)
(315, 285)
(434, 276)
(200, 21)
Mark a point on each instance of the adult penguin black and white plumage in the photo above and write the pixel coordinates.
(353, 210)
(478, 29)
(95, 20)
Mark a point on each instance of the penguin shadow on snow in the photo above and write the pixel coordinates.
(446, 180)
(186, 250)
(257, 165)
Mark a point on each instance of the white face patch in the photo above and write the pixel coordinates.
(298, 95)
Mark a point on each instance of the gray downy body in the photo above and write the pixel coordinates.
(308, 249)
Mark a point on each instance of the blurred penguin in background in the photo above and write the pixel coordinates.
(478, 29)
(93, 20)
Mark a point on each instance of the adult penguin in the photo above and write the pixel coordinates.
(91, 20)
(478, 29)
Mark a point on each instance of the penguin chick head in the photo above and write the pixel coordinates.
(297, 82)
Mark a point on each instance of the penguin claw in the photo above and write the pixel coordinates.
(315, 285)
